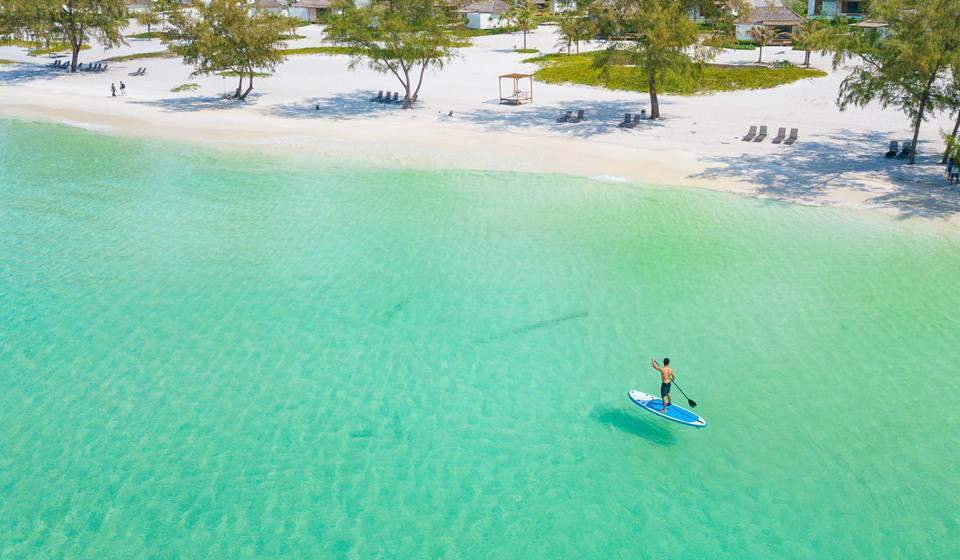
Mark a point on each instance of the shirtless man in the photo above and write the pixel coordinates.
(666, 378)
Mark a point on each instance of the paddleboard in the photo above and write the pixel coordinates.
(676, 413)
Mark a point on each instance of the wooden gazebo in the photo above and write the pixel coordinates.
(518, 96)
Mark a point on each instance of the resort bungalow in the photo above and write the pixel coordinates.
(486, 14)
(834, 8)
(780, 18)
(308, 10)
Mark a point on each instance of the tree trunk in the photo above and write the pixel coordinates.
(249, 88)
(406, 88)
(760, 58)
(524, 38)
(239, 87)
(416, 92)
(654, 103)
(924, 99)
(75, 58)
(806, 59)
(956, 128)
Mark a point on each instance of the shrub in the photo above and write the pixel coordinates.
(186, 87)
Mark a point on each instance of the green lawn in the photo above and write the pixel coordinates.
(5, 61)
(186, 87)
(148, 35)
(232, 74)
(39, 48)
(578, 69)
(317, 50)
(138, 56)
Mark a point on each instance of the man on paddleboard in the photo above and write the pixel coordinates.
(666, 378)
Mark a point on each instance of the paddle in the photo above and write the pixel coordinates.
(691, 402)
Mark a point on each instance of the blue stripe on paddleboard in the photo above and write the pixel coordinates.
(675, 413)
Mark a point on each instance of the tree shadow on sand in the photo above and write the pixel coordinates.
(810, 171)
(600, 117)
(352, 105)
(23, 72)
(626, 421)
(199, 103)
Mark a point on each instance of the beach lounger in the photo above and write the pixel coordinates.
(794, 136)
(566, 117)
(906, 150)
(781, 134)
(762, 135)
(643, 115)
(892, 151)
(579, 117)
(396, 97)
(751, 134)
(636, 120)
(627, 119)
(378, 97)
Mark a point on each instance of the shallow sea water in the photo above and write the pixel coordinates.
(229, 355)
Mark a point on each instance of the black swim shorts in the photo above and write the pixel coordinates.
(664, 389)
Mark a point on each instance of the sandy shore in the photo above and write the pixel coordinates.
(838, 160)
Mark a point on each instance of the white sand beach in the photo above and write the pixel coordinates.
(838, 160)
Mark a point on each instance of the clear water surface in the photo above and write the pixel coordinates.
(226, 355)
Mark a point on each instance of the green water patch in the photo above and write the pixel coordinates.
(580, 69)
(208, 354)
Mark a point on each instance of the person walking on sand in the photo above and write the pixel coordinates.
(113, 90)
(123, 88)
(666, 379)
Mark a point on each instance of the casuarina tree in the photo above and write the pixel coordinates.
(656, 36)
(399, 37)
(904, 66)
(226, 37)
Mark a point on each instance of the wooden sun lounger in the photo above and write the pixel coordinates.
(566, 117)
(906, 150)
(762, 135)
(579, 117)
(378, 97)
(781, 134)
(794, 136)
(892, 151)
(751, 134)
(627, 119)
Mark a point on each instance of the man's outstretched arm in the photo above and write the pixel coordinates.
(655, 365)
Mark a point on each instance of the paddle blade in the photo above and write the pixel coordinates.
(692, 403)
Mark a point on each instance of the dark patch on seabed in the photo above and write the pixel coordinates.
(392, 312)
(535, 326)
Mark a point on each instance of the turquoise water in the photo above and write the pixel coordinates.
(218, 355)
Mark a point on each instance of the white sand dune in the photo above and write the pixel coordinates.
(838, 160)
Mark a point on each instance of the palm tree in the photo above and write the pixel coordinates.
(762, 35)
(523, 15)
(803, 35)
